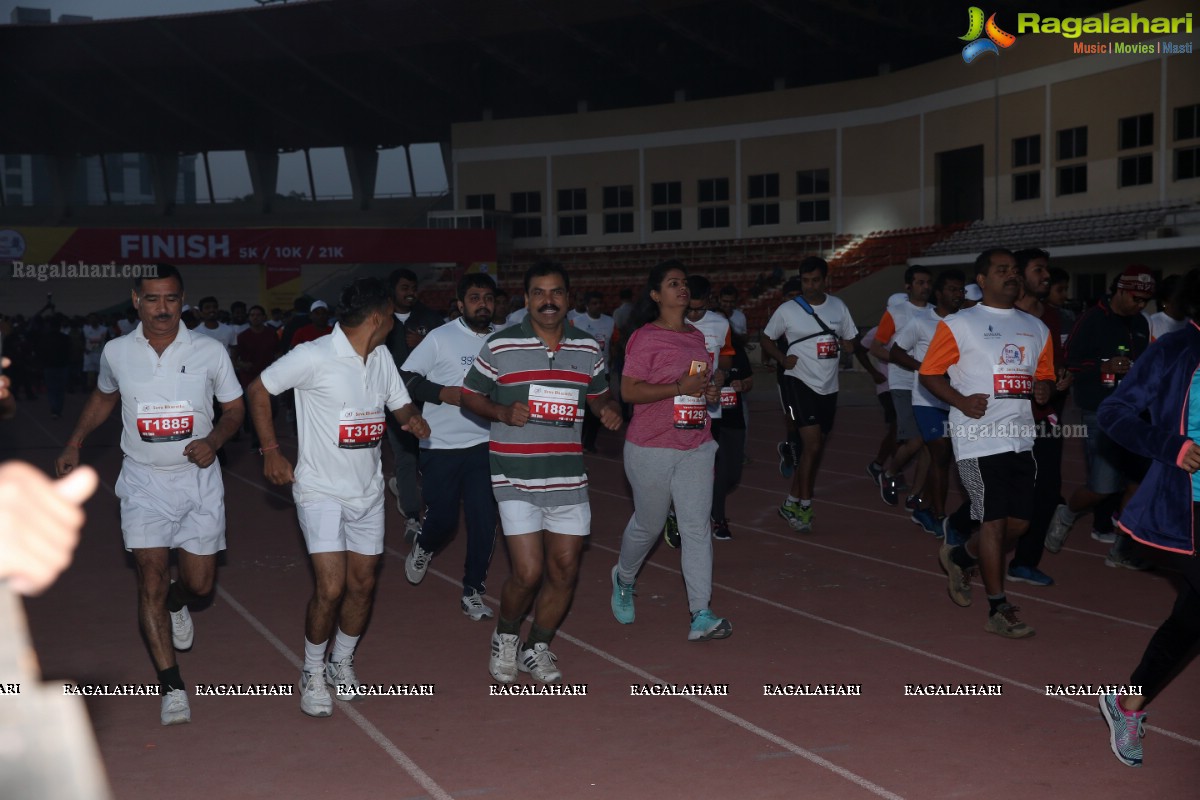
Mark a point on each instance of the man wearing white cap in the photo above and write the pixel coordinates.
(318, 312)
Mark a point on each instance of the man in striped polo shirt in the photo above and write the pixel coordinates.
(531, 380)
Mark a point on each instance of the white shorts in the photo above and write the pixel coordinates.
(330, 527)
(181, 508)
(518, 517)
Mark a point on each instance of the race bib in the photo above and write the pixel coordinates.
(360, 427)
(729, 398)
(690, 412)
(550, 405)
(827, 348)
(1011, 383)
(165, 422)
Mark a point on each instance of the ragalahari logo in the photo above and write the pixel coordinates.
(996, 38)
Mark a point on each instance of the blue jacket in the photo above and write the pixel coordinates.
(1160, 513)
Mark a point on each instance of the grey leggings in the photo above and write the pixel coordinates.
(658, 476)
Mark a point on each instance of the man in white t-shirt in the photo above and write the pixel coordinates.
(918, 283)
(344, 384)
(737, 318)
(987, 362)
(877, 370)
(455, 463)
(1170, 316)
(930, 414)
(95, 334)
(600, 326)
(213, 328)
(164, 378)
(816, 326)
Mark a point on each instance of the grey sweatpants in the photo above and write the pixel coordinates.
(659, 475)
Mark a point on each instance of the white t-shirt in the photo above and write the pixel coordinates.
(166, 401)
(340, 417)
(737, 321)
(237, 330)
(223, 333)
(573, 315)
(999, 352)
(817, 362)
(1161, 324)
(601, 330)
(894, 318)
(715, 328)
(125, 326)
(914, 339)
(867, 340)
(515, 317)
(444, 357)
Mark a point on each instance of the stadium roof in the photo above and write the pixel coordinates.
(390, 72)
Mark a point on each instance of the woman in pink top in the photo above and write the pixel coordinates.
(669, 449)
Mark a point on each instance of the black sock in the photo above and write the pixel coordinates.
(962, 558)
(538, 636)
(179, 596)
(170, 678)
(509, 627)
(995, 602)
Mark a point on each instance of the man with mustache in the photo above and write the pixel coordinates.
(454, 458)
(414, 320)
(164, 378)
(987, 362)
(530, 381)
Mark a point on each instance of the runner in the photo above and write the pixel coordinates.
(817, 326)
(530, 380)
(164, 378)
(987, 362)
(668, 378)
(342, 383)
(454, 458)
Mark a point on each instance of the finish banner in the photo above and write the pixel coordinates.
(281, 247)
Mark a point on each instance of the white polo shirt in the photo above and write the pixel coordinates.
(444, 357)
(166, 401)
(225, 334)
(340, 417)
(817, 357)
(892, 322)
(601, 330)
(914, 339)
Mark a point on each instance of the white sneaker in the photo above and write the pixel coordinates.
(175, 709)
(182, 629)
(503, 663)
(538, 661)
(314, 697)
(473, 607)
(342, 677)
(415, 564)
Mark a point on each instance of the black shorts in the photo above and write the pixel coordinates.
(806, 407)
(889, 408)
(1000, 485)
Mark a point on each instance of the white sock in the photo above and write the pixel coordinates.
(343, 645)
(314, 656)
(805, 503)
(791, 500)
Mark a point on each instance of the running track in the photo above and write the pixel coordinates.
(861, 600)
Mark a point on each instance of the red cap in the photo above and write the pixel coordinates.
(1136, 278)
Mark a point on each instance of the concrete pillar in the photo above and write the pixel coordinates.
(264, 177)
(362, 163)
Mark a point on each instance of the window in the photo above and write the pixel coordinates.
(668, 220)
(1072, 143)
(713, 190)
(1137, 170)
(1072, 180)
(572, 200)
(1135, 132)
(1027, 186)
(1027, 151)
(810, 208)
(669, 193)
(762, 186)
(484, 202)
(526, 202)
(12, 162)
(621, 222)
(1187, 122)
(572, 225)
(1187, 164)
(618, 197)
(527, 227)
(713, 217)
